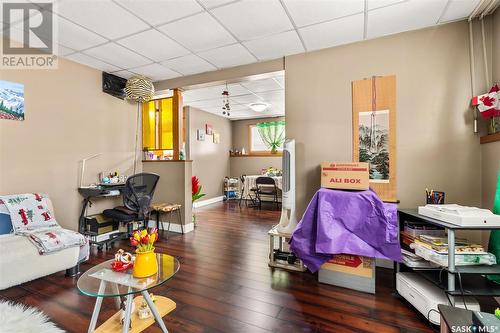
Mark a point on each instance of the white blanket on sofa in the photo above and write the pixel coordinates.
(31, 217)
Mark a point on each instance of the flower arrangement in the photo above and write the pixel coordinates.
(143, 240)
(196, 189)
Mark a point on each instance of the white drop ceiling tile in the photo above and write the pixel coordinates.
(228, 56)
(251, 19)
(337, 32)
(190, 64)
(124, 74)
(405, 16)
(263, 85)
(246, 99)
(76, 37)
(154, 45)
(215, 3)
(161, 11)
(103, 17)
(306, 12)
(117, 55)
(198, 32)
(210, 103)
(373, 4)
(64, 51)
(275, 46)
(459, 9)
(155, 72)
(92, 62)
(277, 97)
(281, 80)
(235, 89)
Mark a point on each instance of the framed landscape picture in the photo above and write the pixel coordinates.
(11, 100)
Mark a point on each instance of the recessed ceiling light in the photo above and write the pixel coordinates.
(258, 107)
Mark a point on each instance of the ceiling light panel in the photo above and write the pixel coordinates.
(228, 56)
(276, 46)
(190, 64)
(337, 32)
(103, 17)
(306, 12)
(154, 45)
(156, 12)
(250, 19)
(405, 16)
(198, 33)
(117, 55)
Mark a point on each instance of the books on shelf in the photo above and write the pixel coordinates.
(440, 245)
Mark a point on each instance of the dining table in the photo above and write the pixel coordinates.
(250, 182)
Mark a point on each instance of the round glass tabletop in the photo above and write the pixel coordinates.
(102, 281)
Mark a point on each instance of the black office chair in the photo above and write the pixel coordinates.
(266, 186)
(137, 197)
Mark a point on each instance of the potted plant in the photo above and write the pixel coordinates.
(145, 263)
(195, 193)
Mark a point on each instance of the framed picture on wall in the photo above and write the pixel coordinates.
(200, 134)
(216, 137)
(11, 100)
(209, 129)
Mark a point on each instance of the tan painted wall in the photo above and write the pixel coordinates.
(68, 118)
(210, 160)
(174, 186)
(490, 152)
(435, 144)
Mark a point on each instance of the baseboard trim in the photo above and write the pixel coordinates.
(207, 202)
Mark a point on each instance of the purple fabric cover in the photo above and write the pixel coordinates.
(350, 222)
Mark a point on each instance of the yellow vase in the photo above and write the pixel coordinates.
(145, 264)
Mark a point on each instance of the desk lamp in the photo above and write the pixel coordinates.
(139, 89)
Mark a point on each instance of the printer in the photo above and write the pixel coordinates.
(461, 216)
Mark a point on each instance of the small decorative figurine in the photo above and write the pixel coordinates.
(144, 312)
(123, 311)
(123, 261)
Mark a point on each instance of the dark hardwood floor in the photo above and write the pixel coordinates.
(225, 285)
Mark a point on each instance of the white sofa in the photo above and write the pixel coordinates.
(20, 261)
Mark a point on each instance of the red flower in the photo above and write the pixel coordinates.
(133, 241)
(195, 185)
(145, 239)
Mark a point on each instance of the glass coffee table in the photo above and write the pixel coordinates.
(101, 281)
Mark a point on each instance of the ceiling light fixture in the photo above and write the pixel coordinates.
(258, 107)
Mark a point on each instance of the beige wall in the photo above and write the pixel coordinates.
(210, 160)
(174, 186)
(435, 144)
(490, 152)
(68, 118)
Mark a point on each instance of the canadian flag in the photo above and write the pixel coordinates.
(488, 104)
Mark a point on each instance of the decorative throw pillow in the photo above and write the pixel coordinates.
(29, 211)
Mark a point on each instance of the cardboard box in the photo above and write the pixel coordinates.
(349, 271)
(345, 176)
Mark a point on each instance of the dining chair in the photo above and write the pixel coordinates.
(266, 186)
(243, 195)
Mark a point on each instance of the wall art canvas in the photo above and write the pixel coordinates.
(374, 143)
(209, 129)
(216, 137)
(11, 100)
(200, 134)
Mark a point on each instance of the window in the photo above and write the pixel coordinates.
(257, 145)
